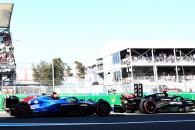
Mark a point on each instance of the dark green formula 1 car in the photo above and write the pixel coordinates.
(155, 103)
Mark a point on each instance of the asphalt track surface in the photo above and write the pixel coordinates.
(125, 121)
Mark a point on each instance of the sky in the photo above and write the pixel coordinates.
(79, 29)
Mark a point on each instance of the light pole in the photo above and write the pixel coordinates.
(53, 85)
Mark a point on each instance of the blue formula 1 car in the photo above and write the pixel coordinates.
(46, 106)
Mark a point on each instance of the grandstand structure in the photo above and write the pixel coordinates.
(158, 65)
(7, 59)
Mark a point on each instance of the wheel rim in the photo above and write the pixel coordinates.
(22, 109)
(150, 106)
(103, 108)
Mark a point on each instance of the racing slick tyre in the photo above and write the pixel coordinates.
(148, 106)
(103, 108)
(141, 106)
(22, 109)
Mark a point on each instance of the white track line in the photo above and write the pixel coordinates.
(79, 124)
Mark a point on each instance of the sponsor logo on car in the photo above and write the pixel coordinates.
(176, 103)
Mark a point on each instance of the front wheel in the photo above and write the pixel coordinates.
(148, 106)
(103, 109)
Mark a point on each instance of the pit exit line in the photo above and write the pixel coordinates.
(79, 124)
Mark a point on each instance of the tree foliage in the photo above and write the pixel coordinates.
(68, 71)
(58, 71)
(80, 69)
(42, 72)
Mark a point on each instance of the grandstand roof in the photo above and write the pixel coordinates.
(5, 14)
(115, 46)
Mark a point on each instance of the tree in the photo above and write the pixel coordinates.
(58, 71)
(42, 72)
(68, 71)
(80, 69)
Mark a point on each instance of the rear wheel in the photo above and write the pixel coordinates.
(103, 109)
(22, 110)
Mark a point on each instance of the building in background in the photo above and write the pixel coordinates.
(92, 76)
(158, 65)
(7, 59)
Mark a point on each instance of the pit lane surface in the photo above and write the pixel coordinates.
(127, 121)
